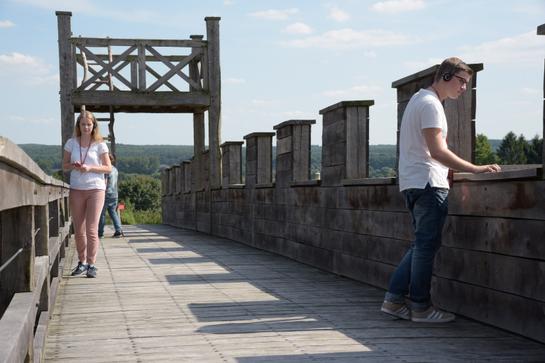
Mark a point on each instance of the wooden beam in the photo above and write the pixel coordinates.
(214, 113)
(104, 42)
(128, 98)
(67, 78)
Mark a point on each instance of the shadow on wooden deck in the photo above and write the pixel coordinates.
(167, 294)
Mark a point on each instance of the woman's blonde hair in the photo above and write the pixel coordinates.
(95, 134)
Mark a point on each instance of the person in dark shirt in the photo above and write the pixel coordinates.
(110, 203)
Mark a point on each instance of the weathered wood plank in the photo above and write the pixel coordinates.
(16, 328)
(222, 301)
(104, 42)
(213, 84)
(131, 99)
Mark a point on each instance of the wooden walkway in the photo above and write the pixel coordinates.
(166, 294)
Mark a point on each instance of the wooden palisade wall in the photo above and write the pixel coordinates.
(490, 267)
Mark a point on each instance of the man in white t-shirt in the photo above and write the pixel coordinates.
(424, 162)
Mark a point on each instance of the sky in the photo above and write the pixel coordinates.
(283, 60)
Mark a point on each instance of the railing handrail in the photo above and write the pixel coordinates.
(18, 252)
(15, 157)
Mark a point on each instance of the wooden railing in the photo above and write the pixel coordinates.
(140, 60)
(34, 231)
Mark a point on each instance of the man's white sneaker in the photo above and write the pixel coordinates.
(432, 315)
(398, 310)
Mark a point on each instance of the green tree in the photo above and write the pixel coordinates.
(483, 151)
(512, 149)
(142, 191)
(534, 151)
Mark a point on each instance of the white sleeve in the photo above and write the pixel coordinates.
(69, 145)
(431, 116)
(102, 148)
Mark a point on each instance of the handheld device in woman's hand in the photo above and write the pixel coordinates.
(77, 164)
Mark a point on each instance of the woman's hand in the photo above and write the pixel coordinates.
(84, 168)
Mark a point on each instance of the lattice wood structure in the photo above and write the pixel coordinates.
(137, 76)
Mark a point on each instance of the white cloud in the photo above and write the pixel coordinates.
(133, 15)
(32, 120)
(228, 2)
(259, 102)
(397, 6)
(350, 39)
(6, 24)
(420, 65)
(298, 28)
(75, 6)
(234, 81)
(338, 15)
(273, 14)
(297, 115)
(523, 48)
(531, 91)
(27, 69)
(369, 92)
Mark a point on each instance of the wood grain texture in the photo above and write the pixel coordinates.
(166, 294)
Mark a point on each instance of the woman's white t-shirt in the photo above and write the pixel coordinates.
(89, 180)
(416, 166)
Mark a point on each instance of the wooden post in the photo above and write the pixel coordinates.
(259, 158)
(164, 182)
(55, 221)
(179, 179)
(186, 164)
(17, 232)
(67, 78)
(214, 112)
(41, 221)
(198, 150)
(345, 141)
(141, 67)
(198, 126)
(293, 151)
(231, 152)
(541, 31)
(172, 180)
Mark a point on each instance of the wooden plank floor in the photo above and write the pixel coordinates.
(165, 294)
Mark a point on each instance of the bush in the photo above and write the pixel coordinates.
(142, 191)
(130, 215)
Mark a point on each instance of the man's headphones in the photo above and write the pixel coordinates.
(447, 76)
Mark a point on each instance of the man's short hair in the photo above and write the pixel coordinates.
(449, 67)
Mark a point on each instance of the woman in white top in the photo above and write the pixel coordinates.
(86, 156)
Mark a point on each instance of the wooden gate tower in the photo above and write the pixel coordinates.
(133, 75)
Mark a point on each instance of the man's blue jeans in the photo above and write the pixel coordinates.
(428, 209)
(110, 204)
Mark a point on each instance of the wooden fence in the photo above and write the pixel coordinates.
(34, 231)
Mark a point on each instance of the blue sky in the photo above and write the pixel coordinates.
(286, 60)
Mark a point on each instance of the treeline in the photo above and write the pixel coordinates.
(131, 159)
(148, 159)
(510, 151)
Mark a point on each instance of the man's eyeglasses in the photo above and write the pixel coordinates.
(462, 80)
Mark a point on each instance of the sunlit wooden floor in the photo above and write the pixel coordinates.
(166, 294)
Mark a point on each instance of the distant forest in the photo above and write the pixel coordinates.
(148, 159)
